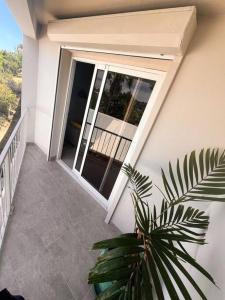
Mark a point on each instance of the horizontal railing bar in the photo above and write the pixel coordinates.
(9, 142)
(110, 132)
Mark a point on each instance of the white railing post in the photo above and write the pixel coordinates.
(2, 217)
(7, 183)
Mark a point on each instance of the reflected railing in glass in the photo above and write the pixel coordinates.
(122, 105)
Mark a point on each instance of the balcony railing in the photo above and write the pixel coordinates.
(10, 162)
(109, 144)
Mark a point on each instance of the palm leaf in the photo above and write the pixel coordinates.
(175, 261)
(123, 240)
(139, 264)
(112, 292)
(180, 225)
(142, 267)
(141, 185)
(202, 178)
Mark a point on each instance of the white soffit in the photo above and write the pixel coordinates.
(24, 15)
(163, 31)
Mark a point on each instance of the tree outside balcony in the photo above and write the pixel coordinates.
(10, 91)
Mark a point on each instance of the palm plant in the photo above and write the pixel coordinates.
(142, 263)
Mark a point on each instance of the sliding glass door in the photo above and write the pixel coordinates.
(121, 107)
(116, 103)
(89, 118)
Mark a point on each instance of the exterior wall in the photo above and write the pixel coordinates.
(46, 87)
(29, 86)
(192, 117)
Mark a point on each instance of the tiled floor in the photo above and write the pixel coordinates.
(46, 254)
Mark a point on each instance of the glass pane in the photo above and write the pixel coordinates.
(122, 105)
(90, 115)
(80, 90)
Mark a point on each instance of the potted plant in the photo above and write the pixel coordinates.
(141, 264)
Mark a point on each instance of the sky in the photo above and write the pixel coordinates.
(10, 34)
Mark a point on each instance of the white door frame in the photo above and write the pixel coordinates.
(138, 139)
(160, 94)
(93, 120)
(66, 108)
(97, 67)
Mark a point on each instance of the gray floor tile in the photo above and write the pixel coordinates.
(46, 254)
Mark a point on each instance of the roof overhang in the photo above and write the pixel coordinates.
(25, 16)
(163, 32)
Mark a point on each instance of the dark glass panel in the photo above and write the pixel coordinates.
(122, 105)
(80, 90)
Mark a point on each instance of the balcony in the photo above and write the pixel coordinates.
(46, 249)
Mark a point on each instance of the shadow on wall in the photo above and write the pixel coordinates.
(211, 256)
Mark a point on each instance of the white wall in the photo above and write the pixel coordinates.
(192, 117)
(29, 86)
(46, 87)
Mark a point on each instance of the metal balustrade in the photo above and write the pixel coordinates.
(109, 144)
(10, 162)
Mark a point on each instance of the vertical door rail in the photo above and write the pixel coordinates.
(10, 162)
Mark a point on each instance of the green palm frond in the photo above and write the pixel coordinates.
(139, 264)
(142, 213)
(179, 224)
(199, 178)
(141, 185)
(120, 265)
(126, 270)
(138, 269)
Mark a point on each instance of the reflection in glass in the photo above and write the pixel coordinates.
(122, 105)
(89, 119)
(78, 101)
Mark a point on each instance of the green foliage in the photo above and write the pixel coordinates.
(11, 62)
(10, 82)
(2, 121)
(7, 99)
(201, 179)
(15, 86)
(139, 264)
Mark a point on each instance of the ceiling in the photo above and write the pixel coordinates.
(58, 9)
